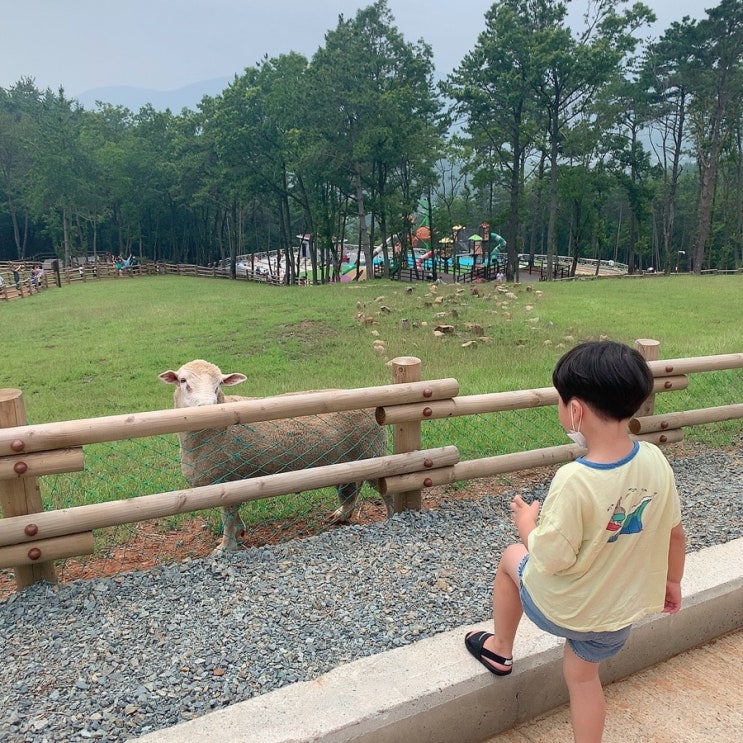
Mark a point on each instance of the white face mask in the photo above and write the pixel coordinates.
(576, 436)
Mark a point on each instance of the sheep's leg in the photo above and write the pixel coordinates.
(348, 494)
(231, 524)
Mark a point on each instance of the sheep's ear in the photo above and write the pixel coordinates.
(229, 379)
(169, 377)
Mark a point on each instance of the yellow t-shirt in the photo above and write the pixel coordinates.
(598, 558)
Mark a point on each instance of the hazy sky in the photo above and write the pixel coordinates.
(168, 44)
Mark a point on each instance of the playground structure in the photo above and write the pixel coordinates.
(414, 259)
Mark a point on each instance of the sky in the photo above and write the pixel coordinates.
(169, 44)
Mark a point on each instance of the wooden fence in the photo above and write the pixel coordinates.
(106, 269)
(82, 273)
(31, 539)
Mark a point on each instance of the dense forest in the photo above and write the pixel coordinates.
(590, 140)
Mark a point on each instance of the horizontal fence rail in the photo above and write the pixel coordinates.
(44, 436)
(493, 402)
(670, 367)
(38, 526)
(653, 423)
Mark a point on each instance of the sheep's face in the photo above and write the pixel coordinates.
(199, 383)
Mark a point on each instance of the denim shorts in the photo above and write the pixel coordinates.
(592, 647)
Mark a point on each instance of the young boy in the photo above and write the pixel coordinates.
(608, 546)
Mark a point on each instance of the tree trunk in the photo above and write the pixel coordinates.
(552, 220)
(669, 211)
(632, 242)
(514, 220)
(363, 231)
(66, 237)
(537, 223)
(704, 214)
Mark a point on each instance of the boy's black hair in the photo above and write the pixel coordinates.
(611, 377)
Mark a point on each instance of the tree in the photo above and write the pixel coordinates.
(493, 88)
(714, 69)
(255, 130)
(18, 107)
(60, 167)
(629, 161)
(572, 68)
(663, 76)
(377, 110)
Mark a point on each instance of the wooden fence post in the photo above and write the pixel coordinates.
(406, 436)
(21, 495)
(650, 351)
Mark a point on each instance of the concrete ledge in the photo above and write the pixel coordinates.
(434, 691)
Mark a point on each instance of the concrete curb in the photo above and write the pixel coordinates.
(434, 691)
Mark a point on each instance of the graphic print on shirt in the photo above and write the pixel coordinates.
(622, 522)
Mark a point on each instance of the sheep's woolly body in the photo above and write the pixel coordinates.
(268, 447)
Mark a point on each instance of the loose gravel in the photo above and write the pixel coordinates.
(114, 658)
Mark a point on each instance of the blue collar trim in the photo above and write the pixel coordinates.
(611, 465)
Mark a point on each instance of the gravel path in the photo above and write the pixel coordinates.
(114, 658)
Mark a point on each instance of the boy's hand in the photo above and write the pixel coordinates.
(524, 516)
(673, 597)
(520, 508)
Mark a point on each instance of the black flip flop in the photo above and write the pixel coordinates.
(475, 642)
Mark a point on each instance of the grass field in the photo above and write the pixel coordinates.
(96, 349)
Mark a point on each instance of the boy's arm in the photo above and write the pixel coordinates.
(676, 558)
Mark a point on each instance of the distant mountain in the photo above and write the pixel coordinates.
(136, 98)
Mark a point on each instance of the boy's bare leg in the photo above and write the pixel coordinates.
(507, 609)
(587, 703)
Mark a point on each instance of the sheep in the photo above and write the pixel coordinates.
(267, 447)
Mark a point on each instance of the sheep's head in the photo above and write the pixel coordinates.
(199, 383)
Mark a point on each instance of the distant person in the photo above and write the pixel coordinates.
(608, 546)
(17, 277)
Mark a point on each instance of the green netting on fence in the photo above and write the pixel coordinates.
(707, 390)
(134, 467)
(492, 434)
